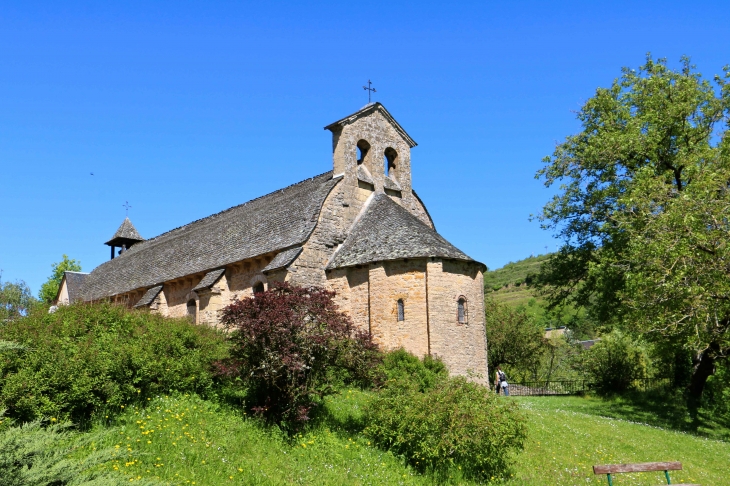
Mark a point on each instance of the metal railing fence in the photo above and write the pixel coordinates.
(576, 387)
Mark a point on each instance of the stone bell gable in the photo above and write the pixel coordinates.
(373, 154)
(359, 229)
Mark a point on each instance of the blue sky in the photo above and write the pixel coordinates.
(187, 108)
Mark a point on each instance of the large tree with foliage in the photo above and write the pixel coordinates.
(642, 210)
(515, 339)
(15, 299)
(49, 289)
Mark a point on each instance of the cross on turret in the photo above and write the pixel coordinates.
(369, 89)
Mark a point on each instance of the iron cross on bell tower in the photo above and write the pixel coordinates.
(369, 89)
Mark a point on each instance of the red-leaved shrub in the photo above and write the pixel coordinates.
(286, 343)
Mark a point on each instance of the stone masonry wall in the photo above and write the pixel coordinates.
(430, 292)
(333, 224)
(63, 294)
(461, 346)
(377, 131)
(237, 282)
(358, 282)
(389, 282)
(349, 198)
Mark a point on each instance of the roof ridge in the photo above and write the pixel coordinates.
(363, 210)
(264, 224)
(384, 220)
(234, 207)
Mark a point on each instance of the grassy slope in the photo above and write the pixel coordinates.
(185, 440)
(507, 278)
(565, 443)
(514, 292)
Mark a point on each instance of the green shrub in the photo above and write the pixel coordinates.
(615, 362)
(32, 455)
(716, 396)
(84, 358)
(403, 367)
(453, 423)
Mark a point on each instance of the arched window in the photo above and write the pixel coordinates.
(389, 157)
(258, 288)
(461, 310)
(362, 151)
(192, 310)
(401, 310)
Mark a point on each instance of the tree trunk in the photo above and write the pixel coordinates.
(704, 367)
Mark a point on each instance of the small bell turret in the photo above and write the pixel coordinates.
(125, 237)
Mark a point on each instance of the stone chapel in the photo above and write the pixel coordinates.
(359, 229)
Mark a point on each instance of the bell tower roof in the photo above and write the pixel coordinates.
(126, 235)
(367, 110)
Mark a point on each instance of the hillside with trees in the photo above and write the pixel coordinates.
(514, 286)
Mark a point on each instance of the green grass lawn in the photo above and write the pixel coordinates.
(566, 438)
(186, 440)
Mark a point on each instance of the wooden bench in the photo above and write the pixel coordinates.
(609, 469)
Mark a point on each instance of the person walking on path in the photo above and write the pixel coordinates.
(500, 382)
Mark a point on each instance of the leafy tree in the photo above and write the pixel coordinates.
(676, 272)
(615, 362)
(15, 299)
(49, 289)
(285, 343)
(640, 209)
(515, 339)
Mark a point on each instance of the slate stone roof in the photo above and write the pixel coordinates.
(386, 231)
(282, 219)
(126, 231)
(210, 279)
(283, 259)
(149, 296)
(74, 284)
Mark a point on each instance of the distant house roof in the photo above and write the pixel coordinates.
(387, 231)
(589, 343)
(126, 232)
(74, 283)
(282, 219)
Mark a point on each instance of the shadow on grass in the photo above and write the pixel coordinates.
(663, 408)
(342, 413)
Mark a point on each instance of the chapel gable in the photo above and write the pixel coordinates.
(373, 152)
